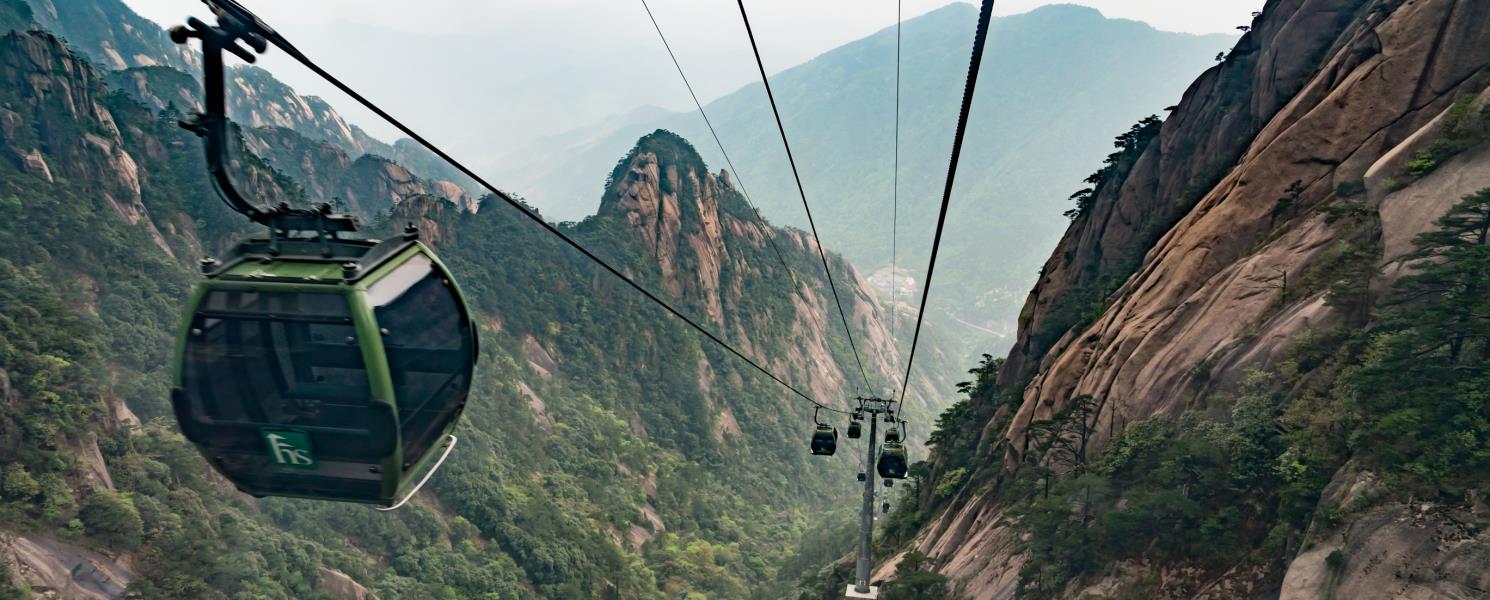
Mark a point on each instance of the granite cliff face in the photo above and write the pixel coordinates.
(367, 185)
(1390, 70)
(710, 251)
(1174, 283)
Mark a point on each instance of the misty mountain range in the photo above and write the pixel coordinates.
(1082, 79)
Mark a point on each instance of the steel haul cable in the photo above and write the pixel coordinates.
(295, 53)
(979, 38)
(803, 192)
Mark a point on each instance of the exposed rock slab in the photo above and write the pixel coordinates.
(341, 586)
(1320, 96)
(62, 570)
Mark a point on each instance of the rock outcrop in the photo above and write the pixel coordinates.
(60, 570)
(711, 249)
(1391, 70)
(1391, 550)
(60, 127)
(340, 586)
(112, 36)
(1181, 252)
(367, 185)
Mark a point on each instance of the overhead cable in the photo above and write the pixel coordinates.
(979, 38)
(290, 49)
(847, 330)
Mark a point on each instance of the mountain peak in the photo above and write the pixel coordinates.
(1067, 10)
(670, 149)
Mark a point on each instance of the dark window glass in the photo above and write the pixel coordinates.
(428, 341)
(258, 359)
(333, 306)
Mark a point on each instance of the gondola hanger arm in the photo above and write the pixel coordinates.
(241, 33)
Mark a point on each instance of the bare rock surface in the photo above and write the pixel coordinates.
(1321, 101)
(341, 586)
(710, 250)
(61, 570)
(1401, 551)
(1203, 283)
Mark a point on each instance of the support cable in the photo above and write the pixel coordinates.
(895, 189)
(802, 191)
(770, 237)
(979, 38)
(233, 10)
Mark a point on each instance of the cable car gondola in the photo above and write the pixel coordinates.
(891, 464)
(308, 364)
(824, 438)
(335, 378)
(855, 429)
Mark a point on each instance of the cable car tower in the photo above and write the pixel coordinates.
(310, 364)
(872, 410)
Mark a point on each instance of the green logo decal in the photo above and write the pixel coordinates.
(289, 448)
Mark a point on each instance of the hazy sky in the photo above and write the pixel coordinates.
(482, 76)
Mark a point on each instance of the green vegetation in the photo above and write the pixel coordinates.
(113, 518)
(913, 583)
(1207, 492)
(1463, 128)
(1420, 388)
(1130, 145)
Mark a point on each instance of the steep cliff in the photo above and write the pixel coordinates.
(368, 185)
(692, 243)
(1202, 280)
(112, 36)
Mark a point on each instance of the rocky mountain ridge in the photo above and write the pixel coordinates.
(692, 243)
(161, 73)
(1286, 174)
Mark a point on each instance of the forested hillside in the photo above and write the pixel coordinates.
(1255, 364)
(607, 451)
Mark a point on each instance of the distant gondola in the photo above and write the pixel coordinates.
(824, 440)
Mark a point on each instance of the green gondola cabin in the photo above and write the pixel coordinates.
(324, 368)
(892, 461)
(824, 440)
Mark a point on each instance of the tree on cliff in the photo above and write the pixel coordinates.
(1424, 388)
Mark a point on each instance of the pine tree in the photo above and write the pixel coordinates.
(1423, 388)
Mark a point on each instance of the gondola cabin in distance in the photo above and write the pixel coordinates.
(324, 368)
